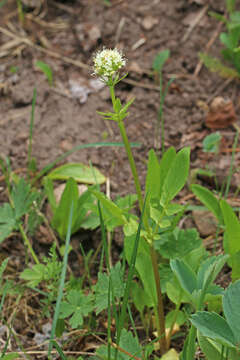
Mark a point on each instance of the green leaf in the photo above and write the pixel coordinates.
(230, 4)
(3, 267)
(208, 199)
(215, 65)
(110, 206)
(45, 68)
(49, 190)
(175, 292)
(11, 356)
(160, 60)
(117, 105)
(79, 172)
(213, 326)
(127, 342)
(231, 300)
(140, 297)
(166, 163)
(185, 275)
(231, 238)
(218, 16)
(33, 276)
(152, 187)
(7, 221)
(102, 287)
(210, 348)
(143, 264)
(176, 176)
(69, 197)
(209, 270)
(78, 305)
(211, 142)
(175, 316)
(178, 243)
(23, 197)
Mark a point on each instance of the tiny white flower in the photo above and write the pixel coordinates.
(107, 63)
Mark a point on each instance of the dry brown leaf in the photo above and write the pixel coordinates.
(221, 113)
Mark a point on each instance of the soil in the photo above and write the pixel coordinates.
(65, 35)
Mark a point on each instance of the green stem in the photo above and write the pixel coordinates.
(28, 244)
(131, 163)
(191, 343)
(159, 305)
(160, 312)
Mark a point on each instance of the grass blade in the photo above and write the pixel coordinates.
(62, 281)
(122, 316)
(74, 149)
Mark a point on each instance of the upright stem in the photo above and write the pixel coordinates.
(160, 312)
(131, 163)
(159, 305)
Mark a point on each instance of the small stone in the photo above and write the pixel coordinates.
(149, 22)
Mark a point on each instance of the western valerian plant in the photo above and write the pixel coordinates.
(164, 181)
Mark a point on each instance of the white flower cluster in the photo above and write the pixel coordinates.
(107, 62)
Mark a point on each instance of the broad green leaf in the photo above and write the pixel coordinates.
(231, 301)
(140, 297)
(165, 164)
(176, 293)
(143, 264)
(213, 326)
(232, 227)
(11, 356)
(23, 197)
(210, 348)
(211, 142)
(209, 270)
(174, 316)
(7, 221)
(78, 305)
(185, 275)
(69, 197)
(128, 343)
(33, 276)
(208, 199)
(176, 176)
(110, 206)
(79, 172)
(178, 243)
(45, 68)
(102, 287)
(152, 186)
(160, 60)
(49, 190)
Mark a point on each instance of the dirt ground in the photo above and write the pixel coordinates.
(65, 35)
(65, 114)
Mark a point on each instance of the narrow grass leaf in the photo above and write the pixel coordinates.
(62, 280)
(45, 68)
(59, 350)
(129, 279)
(47, 168)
